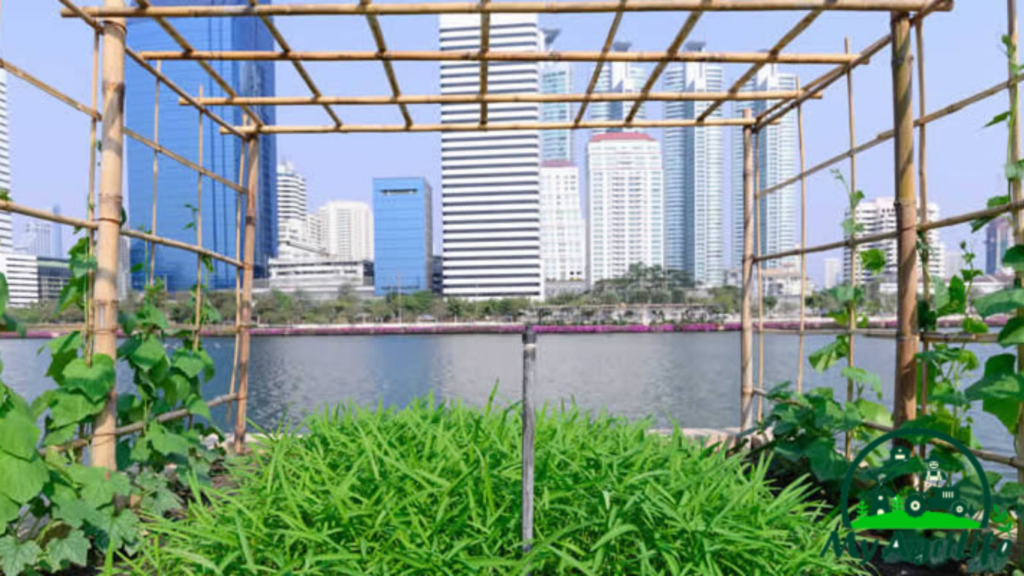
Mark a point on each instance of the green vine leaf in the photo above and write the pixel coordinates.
(974, 326)
(16, 556)
(9, 511)
(1014, 257)
(149, 353)
(18, 432)
(1013, 333)
(22, 479)
(864, 377)
(827, 356)
(94, 381)
(1000, 302)
(994, 202)
(873, 261)
(72, 408)
(99, 485)
(72, 549)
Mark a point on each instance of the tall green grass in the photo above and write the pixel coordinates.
(434, 489)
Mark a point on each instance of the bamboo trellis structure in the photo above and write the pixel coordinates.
(108, 22)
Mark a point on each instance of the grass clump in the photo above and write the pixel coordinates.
(435, 489)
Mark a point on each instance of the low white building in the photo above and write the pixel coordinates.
(320, 278)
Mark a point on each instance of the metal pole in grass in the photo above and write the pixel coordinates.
(529, 377)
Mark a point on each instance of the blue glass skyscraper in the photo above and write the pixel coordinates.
(403, 235)
(178, 132)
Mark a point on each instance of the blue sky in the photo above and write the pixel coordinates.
(49, 141)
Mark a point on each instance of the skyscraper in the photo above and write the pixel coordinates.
(178, 131)
(562, 233)
(56, 241)
(998, 239)
(694, 186)
(555, 78)
(878, 215)
(6, 226)
(833, 272)
(291, 194)
(621, 78)
(776, 161)
(298, 231)
(402, 236)
(490, 187)
(346, 231)
(626, 219)
(35, 241)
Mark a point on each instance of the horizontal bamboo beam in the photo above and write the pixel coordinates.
(19, 73)
(492, 127)
(491, 98)
(15, 208)
(180, 245)
(139, 426)
(981, 454)
(499, 56)
(959, 338)
(867, 332)
(553, 7)
(888, 134)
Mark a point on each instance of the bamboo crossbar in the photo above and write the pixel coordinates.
(888, 134)
(551, 7)
(500, 126)
(981, 454)
(663, 62)
(182, 160)
(140, 235)
(426, 99)
(497, 56)
(602, 58)
(135, 427)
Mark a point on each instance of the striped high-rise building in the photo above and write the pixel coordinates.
(6, 227)
(291, 194)
(694, 186)
(622, 78)
(490, 186)
(776, 161)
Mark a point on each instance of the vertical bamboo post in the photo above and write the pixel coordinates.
(245, 313)
(199, 235)
(852, 322)
(905, 400)
(156, 173)
(746, 326)
(529, 379)
(760, 272)
(1018, 222)
(91, 203)
(104, 303)
(922, 174)
(238, 271)
(803, 244)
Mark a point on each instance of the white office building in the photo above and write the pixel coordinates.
(6, 227)
(562, 232)
(346, 230)
(626, 191)
(833, 272)
(878, 216)
(291, 194)
(22, 273)
(490, 186)
(36, 241)
(776, 161)
(320, 278)
(694, 177)
(622, 78)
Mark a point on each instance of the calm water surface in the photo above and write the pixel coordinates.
(689, 378)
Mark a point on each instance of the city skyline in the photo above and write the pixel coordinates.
(647, 33)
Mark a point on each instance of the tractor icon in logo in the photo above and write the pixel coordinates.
(938, 499)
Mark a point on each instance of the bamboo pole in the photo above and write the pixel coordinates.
(922, 174)
(746, 330)
(851, 322)
(530, 7)
(803, 244)
(730, 57)
(238, 274)
(602, 57)
(156, 174)
(499, 98)
(905, 398)
(90, 208)
(252, 184)
(673, 49)
(268, 22)
(760, 273)
(1016, 196)
(786, 39)
(199, 235)
(501, 126)
(529, 418)
(389, 70)
(104, 303)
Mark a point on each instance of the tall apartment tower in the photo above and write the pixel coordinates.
(878, 216)
(694, 178)
(178, 131)
(6, 225)
(291, 194)
(555, 78)
(626, 218)
(998, 239)
(777, 161)
(622, 78)
(563, 233)
(346, 230)
(490, 186)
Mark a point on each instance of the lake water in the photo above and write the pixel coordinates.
(692, 378)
